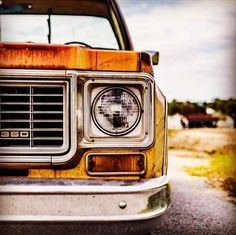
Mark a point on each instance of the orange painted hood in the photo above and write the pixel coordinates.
(44, 56)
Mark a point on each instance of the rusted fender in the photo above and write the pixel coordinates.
(44, 56)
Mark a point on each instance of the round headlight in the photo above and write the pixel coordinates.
(116, 111)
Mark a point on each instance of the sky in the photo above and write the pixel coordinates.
(196, 40)
(197, 44)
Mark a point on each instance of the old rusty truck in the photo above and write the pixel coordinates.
(82, 121)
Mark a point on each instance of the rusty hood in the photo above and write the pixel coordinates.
(44, 56)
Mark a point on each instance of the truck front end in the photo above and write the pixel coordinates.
(82, 128)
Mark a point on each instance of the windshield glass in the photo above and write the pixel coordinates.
(93, 31)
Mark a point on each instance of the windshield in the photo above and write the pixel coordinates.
(91, 30)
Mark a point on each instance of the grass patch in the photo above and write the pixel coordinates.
(197, 171)
(221, 171)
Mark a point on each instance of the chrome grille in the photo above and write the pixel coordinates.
(32, 115)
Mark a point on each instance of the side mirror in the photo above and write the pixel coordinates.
(155, 56)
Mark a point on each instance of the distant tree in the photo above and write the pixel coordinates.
(230, 109)
(185, 108)
(227, 107)
(174, 107)
(192, 108)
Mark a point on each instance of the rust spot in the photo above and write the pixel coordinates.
(146, 63)
(146, 58)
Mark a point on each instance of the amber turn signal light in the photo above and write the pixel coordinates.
(116, 164)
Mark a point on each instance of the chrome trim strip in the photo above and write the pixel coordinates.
(40, 218)
(36, 73)
(91, 187)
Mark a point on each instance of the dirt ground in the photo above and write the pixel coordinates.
(190, 148)
(202, 141)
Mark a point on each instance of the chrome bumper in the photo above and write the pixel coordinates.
(83, 201)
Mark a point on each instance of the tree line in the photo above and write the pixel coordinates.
(227, 107)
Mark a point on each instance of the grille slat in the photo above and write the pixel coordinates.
(46, 112)
(15, 103)
(17, 120)
(48, 138)
(32, 112)
(32, 115)
(35, 103)
(14, 95)
(49, 121)
(51, 129)
(28, 129)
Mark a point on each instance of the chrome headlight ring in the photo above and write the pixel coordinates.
(116, 111)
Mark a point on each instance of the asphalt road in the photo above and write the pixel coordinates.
(197, 208)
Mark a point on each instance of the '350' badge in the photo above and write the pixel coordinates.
(14, 134)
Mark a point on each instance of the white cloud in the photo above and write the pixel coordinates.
(196, 40)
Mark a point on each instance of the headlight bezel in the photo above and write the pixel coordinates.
(142, 85)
